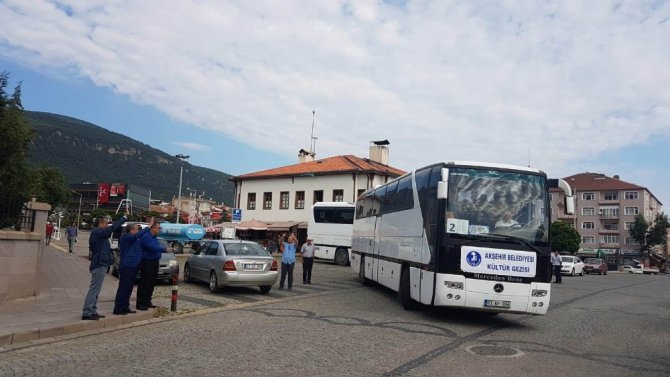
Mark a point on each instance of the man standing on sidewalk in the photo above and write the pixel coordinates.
(307, 259)
(101, 259)
(49, 232)
(151, 255)
(131, 255)
(556, 262)
(71, 235)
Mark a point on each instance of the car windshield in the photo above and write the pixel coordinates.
(593, 261)
(567, 259)
(497, 202)
(245, 249)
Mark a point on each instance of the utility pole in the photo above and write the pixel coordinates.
(183, 159)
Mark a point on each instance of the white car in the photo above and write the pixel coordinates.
(639, 269)
(572, 265)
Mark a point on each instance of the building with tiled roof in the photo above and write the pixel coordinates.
(284, 195)
(605, 210)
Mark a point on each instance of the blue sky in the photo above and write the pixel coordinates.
(583, 84)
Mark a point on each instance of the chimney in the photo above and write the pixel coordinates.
(379, 151)
(304, 156)
(616, 176)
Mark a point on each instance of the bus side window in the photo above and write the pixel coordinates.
(435, 176)
(404, 197)
(379, 196)
(389, 202)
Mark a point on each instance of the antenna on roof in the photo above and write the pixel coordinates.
(528, 156)
(312, 139)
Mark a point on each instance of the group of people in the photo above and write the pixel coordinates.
(288, 246)
(140, 251)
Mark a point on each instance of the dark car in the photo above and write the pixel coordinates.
(168, 264)
(593, 265)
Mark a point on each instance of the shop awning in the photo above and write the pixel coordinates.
(252, 225)
(282, 226)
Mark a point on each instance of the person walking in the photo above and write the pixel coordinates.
(129, 264)
(556, 262)
(72, 234)
(101, 259)
(288, 261)
(151, 255)
(49, 232)
(307, 260)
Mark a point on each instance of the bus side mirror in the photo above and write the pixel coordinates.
(569, 205)
(442, 190)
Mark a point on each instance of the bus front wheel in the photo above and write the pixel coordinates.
(404, 292)
(342, 257)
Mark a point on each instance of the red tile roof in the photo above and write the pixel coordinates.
(331, 165)
(600, 182)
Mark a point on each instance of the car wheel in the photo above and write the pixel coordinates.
(265, 289)
(572, 273)
(213, 282)
(342, 257)
(581, 273)
(187, 274)
(361, 273)
(404, 292)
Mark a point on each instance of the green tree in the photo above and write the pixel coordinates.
(564, 238)
(639, 231)
(48, 185)
(14, 143)
(658, 233)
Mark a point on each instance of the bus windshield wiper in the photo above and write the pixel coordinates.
(514, 238)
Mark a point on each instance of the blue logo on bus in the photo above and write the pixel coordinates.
(473, 258)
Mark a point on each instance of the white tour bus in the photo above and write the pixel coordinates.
(330, 226)
(460, 234)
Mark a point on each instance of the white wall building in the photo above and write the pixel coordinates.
(286, 194)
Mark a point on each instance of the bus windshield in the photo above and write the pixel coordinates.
(489, 202)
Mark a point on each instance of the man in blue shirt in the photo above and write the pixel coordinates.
(71, 235)
(151, 255)
(101, 259)
(288, 261)
(129, 264)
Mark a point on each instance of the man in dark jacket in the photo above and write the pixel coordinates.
(129, 264)
(151, 255)
(101, 259)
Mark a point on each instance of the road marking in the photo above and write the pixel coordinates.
(58, 247)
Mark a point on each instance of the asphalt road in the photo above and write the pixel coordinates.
(614, 325)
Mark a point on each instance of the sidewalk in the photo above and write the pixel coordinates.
(57, 310)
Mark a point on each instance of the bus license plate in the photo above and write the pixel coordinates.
(253, 266)
(497, 304)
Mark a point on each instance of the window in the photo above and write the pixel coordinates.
(318, 196)
(631, 211)
(267, 200)
(588, 225)
(610, 238)
(338, 195)
(611, 226)
(389, 202)
(334, 215)
(589, 240)
(631, 241)
(251, 200)
(299, 200)
(628, 225)
(588, 211)
(283, 200)
(609, 213)
(631, 195)
(611, 196)
(588, 196)
(213, 249)
(405, 195)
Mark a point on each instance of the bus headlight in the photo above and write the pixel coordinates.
(453, 284)
(538, 292)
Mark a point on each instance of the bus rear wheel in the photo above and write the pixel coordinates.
(361, 273)
(404, 292)
(342, 257)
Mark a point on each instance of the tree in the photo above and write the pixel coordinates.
(639, 232)
(564, 238)
(658, 233)
(48, 185)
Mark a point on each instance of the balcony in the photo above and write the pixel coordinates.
(608, 231)
(608, 215)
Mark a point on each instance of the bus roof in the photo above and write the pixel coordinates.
(333, 204)
(495, 166)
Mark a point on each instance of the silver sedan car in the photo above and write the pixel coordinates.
(231, 263)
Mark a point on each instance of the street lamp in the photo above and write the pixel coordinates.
(183, 159)
(79, 210)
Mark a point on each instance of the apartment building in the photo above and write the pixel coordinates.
(605, 211)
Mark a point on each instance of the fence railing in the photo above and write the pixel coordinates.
(16, 216)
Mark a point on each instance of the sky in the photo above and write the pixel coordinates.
(576, 85)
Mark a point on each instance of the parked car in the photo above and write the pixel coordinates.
(231, 263)
(638, 268)
(168, 266)
(572, 265)
(593, 265)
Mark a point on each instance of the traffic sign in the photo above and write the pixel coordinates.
(237, 215)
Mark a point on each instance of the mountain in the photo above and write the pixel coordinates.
(85, 152)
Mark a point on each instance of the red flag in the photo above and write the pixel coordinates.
(121, 190)
(112, 191)
(103, 193)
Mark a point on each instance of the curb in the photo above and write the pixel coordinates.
(37, 334)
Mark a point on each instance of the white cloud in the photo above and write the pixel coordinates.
(441, 80)
(191, 146)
